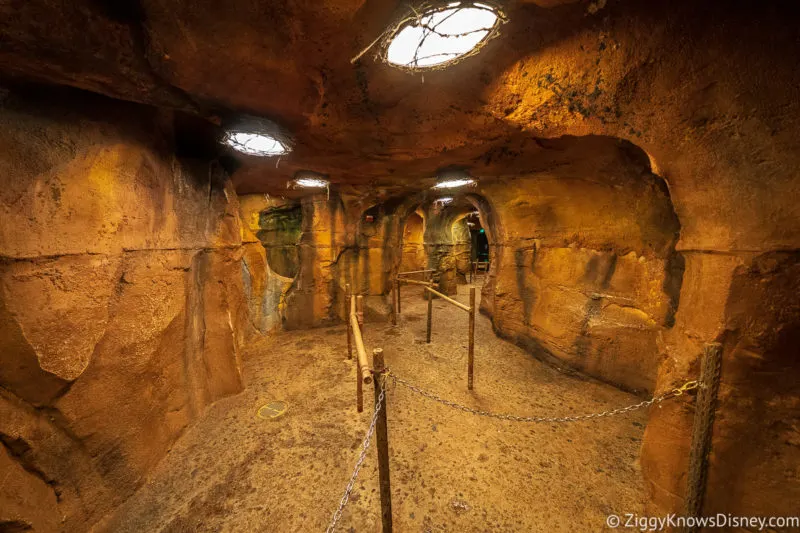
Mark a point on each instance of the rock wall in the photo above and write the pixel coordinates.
(711, 94)
(122, 306)
(413, 253)
(265, 289)
(584, 268)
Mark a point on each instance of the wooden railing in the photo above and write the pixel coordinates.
(355, 337)
(399, 280)
(469, 309)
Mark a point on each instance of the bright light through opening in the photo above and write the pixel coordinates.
(444, 201)
(452, 184)
(255, 144)
(311, 183)
(437, 37)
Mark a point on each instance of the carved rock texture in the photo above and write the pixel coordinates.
(121, 302)
(637, 180)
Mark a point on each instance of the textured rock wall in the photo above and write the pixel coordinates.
(121, 302)
(584, 267)
(265, 289)
(413, 253)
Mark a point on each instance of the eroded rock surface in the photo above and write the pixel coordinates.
(121, 303)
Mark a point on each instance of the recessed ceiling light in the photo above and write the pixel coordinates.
(311, 183)
(255, 143)
(452, 184)
(442, 34)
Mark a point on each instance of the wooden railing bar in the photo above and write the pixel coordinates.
(448, 299)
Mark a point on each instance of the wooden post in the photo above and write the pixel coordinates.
(347, 308)
(430, 313)
(471, 360)
(360, 385)
(382, 442)
(397, 291)
(428, 278)
(394, 304)
(702, 431)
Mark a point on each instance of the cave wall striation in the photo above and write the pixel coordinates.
(122, 305)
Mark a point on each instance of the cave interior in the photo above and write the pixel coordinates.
(617, 180)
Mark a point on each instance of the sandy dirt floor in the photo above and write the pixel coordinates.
(450, 471)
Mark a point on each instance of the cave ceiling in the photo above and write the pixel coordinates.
(361, 124)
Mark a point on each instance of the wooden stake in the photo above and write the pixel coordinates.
(347, 309)
(429, 279)
(382, 442)
(702, 431)
(430, 313)
(471, 359)
(394, 304)
(397, 290)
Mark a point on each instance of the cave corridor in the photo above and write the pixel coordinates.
(218, 218)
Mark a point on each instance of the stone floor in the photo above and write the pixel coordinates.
(450, 471)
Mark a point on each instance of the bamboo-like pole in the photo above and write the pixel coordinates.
(415, 282)
(348, 310)
(382, 442)
(471, 359)
(430, 315)
(394, 304)
(415, 272)
(362, 361)
(361, 352)
(448, 299)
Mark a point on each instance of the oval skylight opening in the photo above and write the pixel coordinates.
(311, 183)
(442, 34)
(452, 184)
(255, 144)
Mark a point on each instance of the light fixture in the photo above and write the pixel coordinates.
(256, 136)
(452, 184)
(311, 183)
(438, 34)
(308, 179)
(255, 144)
(444, 201)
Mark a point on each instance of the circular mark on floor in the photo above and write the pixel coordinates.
(272, 410)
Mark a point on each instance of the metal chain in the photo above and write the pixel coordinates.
(338, 514)
(689, 385)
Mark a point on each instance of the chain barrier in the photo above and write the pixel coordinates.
(678, 391)
(689, 385)
(365, 446)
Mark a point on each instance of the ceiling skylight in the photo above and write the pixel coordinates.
(452, 184)
(439, 35)
(311, 183)
(255, 144)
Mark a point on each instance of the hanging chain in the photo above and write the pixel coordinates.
(689, 385)
(338, 514)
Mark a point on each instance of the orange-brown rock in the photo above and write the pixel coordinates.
(121, 303)
(637, 167)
